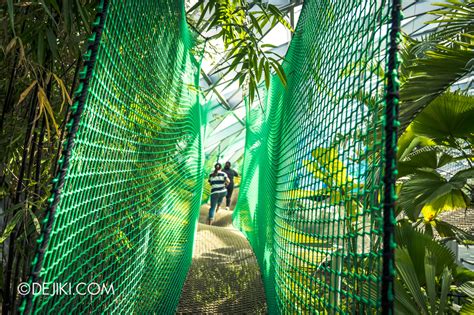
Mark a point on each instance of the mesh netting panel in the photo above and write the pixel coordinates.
(130, 197)
(312, 196)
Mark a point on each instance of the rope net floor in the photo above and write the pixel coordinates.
(224, 277)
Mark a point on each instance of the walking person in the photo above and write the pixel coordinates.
(218, 180)
(231, 173)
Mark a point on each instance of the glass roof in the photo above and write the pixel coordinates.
(225, 132)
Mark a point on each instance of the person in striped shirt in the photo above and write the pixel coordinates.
(218, 180)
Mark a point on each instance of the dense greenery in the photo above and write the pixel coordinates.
(241, 25)
(435, 165)
(40, 58)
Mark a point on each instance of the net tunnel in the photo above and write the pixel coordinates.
(317, 191)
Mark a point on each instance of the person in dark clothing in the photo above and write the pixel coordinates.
(230, 188)
(218, 180)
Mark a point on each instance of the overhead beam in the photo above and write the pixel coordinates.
(222, 100)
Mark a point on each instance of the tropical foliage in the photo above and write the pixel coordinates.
(428, 276)
(40, 54)
(435, 165)
(241, 25)
(440, 136)
(432, 65)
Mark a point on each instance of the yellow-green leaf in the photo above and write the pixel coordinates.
(27, 91)
(64, 92)
(448, 202)
(35, 221)
(10, 226)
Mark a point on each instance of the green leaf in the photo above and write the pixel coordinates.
(11, 226)
(467, 288)
(420, 159)
(53, 46)
(429, 77)
(446, 280)
(467, 309)
(455, 19)
(266, 71)
(407, 273)
(40, 49)
(83, 14)
(404, 304)
(430, 274)
(449, 115)
(445, 229)
(416, 190)
(429, 191)
(55, 5)
(446, 198)
(205, 9)
(11, 15)
(260, 70)
(252, 88)
(237, 58)
(255, 23)
(417, 244)
(195, 6)
(48, 12)
(279, 70)
(463, 175)
(67, 15)
(13, 208)
(35, 221)
(242, 76)
(279, 17)
(462, 274)
(268, 46)
(409, 141)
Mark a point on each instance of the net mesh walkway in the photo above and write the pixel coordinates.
(316, 198)
(224, 277)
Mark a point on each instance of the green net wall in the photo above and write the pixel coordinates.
(126, 209)
(319, 161)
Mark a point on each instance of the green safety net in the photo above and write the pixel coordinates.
(318, 166)
(124, 208)
(316, 198)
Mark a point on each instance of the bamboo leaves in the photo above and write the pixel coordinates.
(19, 214)
(64, 92)
(44, 105)
(46, 109)
(241, 26)
(27, 91)
(11, 226)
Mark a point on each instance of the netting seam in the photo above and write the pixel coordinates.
(76, 110)
(391, 127)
